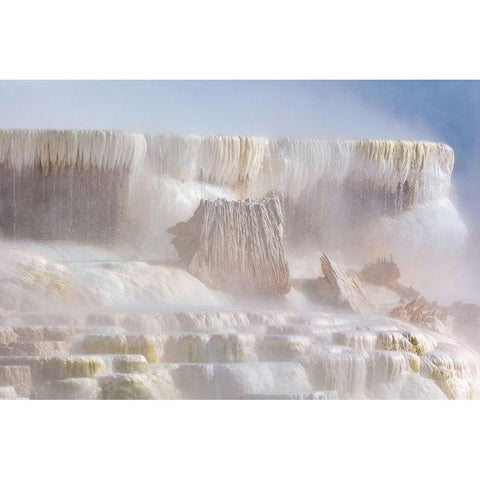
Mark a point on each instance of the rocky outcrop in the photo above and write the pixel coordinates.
(385, 272)
(428, 315)
(339, 288)
(235, 245)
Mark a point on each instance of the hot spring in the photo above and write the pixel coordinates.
(158, 266)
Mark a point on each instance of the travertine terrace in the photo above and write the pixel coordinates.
(96, 302)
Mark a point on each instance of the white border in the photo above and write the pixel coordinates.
(239, 439)
(251, 39)
(248, 39)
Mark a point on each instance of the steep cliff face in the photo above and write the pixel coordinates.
(82, 320)
(420, 170)
(368, 196)
(235, 246)
(59, 149)
(355, 195)
(66, 185)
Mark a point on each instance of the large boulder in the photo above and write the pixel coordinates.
(235, 245)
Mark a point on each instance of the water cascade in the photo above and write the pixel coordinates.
(95, 301)
(66, 185)
(331, 190)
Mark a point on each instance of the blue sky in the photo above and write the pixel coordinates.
(446, 111)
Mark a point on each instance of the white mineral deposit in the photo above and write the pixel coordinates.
(152, 266)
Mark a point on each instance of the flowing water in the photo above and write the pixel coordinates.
(95, 302)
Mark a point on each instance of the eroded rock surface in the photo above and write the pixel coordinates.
(340, 289)
(316, 355)
(235, 245)
(428, 315)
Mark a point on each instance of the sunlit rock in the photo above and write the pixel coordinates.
(104, 286)
(425, 315)
(338, 288)
(454, 369)
(105, 344)
(145, 345)
(235, 246)
(118, 344)
(126, 387)
(415, 342)
(134, 387)
(130, 364)
(57, 367)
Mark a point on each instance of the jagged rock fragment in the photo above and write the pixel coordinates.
(385, 272)
(235, 245)
(338, 288)
(425, 314)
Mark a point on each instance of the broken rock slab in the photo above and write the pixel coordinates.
(235, 245)
(339, 288)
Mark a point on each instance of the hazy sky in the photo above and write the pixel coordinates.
(446, 111)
